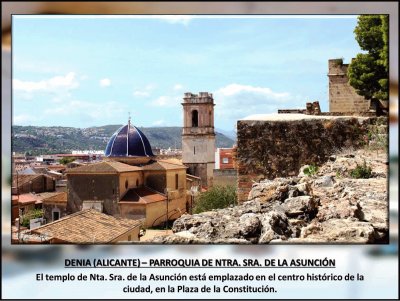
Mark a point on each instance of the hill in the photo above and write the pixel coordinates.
(38, 140)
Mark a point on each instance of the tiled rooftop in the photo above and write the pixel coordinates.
(87, 227)
(103, 167)
(23, 179)
(163, 165)
(142, 195)
(54, 197)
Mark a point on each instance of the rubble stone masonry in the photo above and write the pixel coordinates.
(278, 146)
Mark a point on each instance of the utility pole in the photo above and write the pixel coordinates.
(166, 217)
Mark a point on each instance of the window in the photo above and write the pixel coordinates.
(176, 181)
(126, 184)
(194, 150)
(195, 119)
(137, 182)
(56, 214)
(225, 160)
(129, 237)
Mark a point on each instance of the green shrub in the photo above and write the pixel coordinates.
(66, 160)
(31, 214)
(215, 198)
(361, 171)
(310, 170)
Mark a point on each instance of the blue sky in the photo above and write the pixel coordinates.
(91, 71)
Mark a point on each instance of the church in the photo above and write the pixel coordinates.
(130, 183)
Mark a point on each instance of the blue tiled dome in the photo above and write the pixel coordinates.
(128, 141)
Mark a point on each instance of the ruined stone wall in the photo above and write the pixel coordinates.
(267, 149)
(342, 96)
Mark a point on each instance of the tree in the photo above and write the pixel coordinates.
(215, 198)
(66, 160)
(31, 214)
(368, 72)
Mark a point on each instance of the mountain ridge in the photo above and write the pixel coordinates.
(37, 140)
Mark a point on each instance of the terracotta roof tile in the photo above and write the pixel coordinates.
(24, 178)
(163, 165)
(87, 227)
(28, 198)
(103, 167)
(143, 195)
(56, 167)
(55, 197)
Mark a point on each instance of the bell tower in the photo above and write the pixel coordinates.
(198, 136)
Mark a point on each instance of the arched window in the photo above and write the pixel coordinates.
(195, 119)
(176, 181)
(126, 184)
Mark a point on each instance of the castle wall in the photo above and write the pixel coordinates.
(272, 148)
(342, 96)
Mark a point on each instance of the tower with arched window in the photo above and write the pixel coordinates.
(198, 136)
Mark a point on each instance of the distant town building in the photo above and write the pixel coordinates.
(54, 205)
(26, 183)
(23, 203)
(198, 136)
(224, 158)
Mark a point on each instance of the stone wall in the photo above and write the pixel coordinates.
(281, 143)
(48, 210)
(100, 187)
(223, 177)
(39, 184)
(342, 96)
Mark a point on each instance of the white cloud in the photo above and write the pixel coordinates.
(166, 101)
(53, 85)
(141, 93)
(105, 82)
(176, 19)
(87, 109)
(178, 87)
(236, 101)
(159, 122)
(145, 92)
(24, 119)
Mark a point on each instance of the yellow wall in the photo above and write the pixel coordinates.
(154, 211)
(174, 193)
(131, 177)
(134, 233)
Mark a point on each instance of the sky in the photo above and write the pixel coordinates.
(84, 71)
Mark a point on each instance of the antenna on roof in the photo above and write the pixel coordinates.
(129, 118)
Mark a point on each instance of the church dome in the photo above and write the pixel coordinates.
(127, 142)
